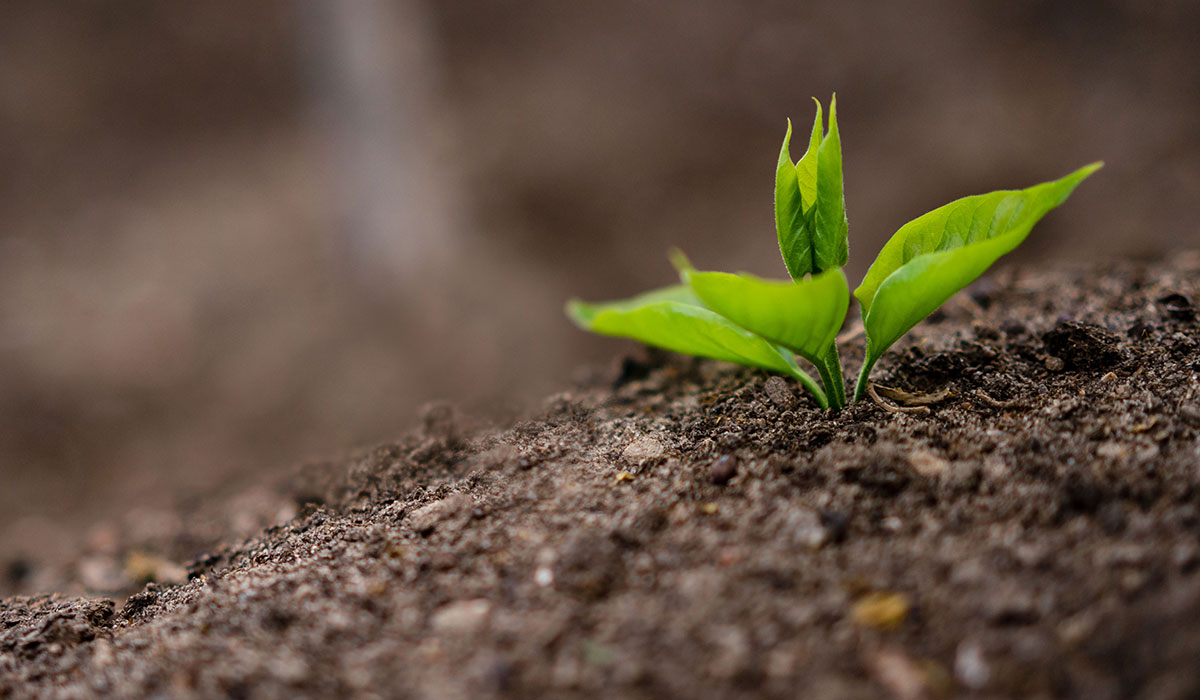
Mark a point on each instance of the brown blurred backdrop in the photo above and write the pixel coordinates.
(236, 235)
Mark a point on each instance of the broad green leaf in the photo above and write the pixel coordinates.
(803, 316)
(674, 319)
(830, 227)
(935, 255)
(791, 225)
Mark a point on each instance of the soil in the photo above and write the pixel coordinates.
(682, 528)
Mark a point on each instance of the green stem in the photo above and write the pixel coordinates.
(809, 383)
(833, 365)
(861, 387)
(830, 385)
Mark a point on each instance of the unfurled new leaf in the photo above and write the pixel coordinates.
(810, 209)
(935, 255)
(674, 318)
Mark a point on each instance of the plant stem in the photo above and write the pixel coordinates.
(834, 366)
(861, 387)
(830, 380)
(808, 383)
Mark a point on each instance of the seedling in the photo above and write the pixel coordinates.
(761, 323)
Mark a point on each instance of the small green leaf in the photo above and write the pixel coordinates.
(673, 318)
(807, 166)
(803, 316)
(830, 227)
(935, 255)
(791, 225)
(810, 208)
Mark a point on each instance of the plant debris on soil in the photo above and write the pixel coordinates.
(1015, 515)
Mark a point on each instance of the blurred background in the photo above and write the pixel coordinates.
(235, 235)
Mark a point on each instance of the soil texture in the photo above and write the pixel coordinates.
(1016, 515)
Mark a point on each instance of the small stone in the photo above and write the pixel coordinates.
(928, 464)
(1012, 607)
(780, 394)
(899, 674)
(836, 525)
(589, 565)
(805, 529)
(881, 609)
(724, 468)
(462, 618)
(1078, 628)
(970, 666)
(644, 450)
(289, 667)
(426, 518)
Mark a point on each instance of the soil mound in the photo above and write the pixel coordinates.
(1016, 515)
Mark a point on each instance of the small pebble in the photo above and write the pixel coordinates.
(643, 450)
(882, 609)
(927, 463)
(724, 468)
(426, 518)
(805, 529)
(836, 525)
(899, 674)
(970, 667)
(461, 617)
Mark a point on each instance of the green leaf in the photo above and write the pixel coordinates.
(673, 318)
(791, 225)
(806, 167)
(830, 245)
(803, 316)
(810, 208)
(935, 255)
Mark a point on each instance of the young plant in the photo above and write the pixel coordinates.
(761, 323)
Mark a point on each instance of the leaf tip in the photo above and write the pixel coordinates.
(580, 312)
(679, 260)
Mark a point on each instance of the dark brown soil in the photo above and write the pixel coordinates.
(677, 528)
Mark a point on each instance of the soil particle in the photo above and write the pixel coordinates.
(1083, 346)
(424, 519)
(644, 451)
(589, 566)
(777, 389)
(1033, 533)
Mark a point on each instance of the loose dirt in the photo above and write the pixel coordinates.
(1017, 517)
